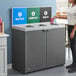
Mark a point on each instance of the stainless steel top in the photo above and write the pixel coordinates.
(38, 26)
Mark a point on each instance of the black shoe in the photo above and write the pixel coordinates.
(72, 70)
(69, 66)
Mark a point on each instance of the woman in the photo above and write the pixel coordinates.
(71, 16)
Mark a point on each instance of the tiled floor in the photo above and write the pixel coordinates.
(58, 71)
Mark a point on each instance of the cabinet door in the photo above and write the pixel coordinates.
(55, 47)
(35, 50)
(3, 62)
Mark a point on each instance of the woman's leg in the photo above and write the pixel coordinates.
(71, 40)
(73, 46)
(73, 49)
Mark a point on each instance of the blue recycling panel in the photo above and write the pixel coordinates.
(19, 16)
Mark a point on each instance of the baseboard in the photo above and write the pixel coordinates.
(9, 66)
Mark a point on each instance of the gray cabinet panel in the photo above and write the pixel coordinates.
(55, 47)
(35, 50)
(18, 50)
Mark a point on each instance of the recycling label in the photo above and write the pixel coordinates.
(33, 15)
(45, 14)
(19, 16)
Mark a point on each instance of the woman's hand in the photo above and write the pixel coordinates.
(57, 16)
(54, 17)
(72, 34)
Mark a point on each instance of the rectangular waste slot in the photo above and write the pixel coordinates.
(19, 16)
(45, 14)
(33, 15)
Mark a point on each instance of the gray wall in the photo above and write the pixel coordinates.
(6, 5)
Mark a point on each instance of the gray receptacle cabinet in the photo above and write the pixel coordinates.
(36, 50)
(55, 47)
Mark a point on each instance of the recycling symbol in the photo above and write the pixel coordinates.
(33, 13)
(45, 13)
(19, 14)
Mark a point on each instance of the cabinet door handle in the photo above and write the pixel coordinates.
(47, 30)
(43, 30)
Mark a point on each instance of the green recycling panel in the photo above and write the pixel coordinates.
(33, 15)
